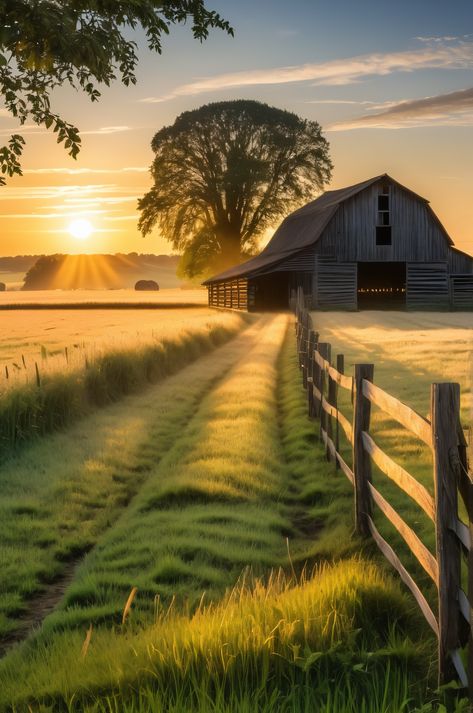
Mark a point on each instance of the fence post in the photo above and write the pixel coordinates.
(325, 351)
(310, 370)
(361, 459)
(341, 370)
(445, 414)
(305, 350)
(332, 400)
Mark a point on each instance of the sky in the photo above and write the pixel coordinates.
(390, 83)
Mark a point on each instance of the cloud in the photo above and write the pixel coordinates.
(78, 171)
(452, 109)
(15, 193)
(440, 38)
(50, 216)
(24, 130)
(335, 72)
(106, 130)
(339, 101)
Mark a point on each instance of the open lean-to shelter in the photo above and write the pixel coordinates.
(373, 245)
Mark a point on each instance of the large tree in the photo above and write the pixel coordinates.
(224, 173)
(84, 43)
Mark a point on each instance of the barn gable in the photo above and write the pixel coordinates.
(356, 247)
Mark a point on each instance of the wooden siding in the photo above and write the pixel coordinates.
(303, 261)
(416, 234)
(427, 286)
(461, 292)
(231, 294)
(460, 262)
(335, 284)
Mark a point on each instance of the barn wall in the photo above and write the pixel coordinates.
(229, 294)
(461, 292)
(416, 234)
(335, 284)
(427, 286)
(460, 262)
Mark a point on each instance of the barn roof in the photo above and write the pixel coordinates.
(303, 228)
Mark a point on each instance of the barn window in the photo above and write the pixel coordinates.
(383, 223)
(383, 203)
(383, 235)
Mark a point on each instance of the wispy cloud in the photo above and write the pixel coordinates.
(340, 101)
(440, 38)
(18, 193)
(63, 170)
(452, 109)
(336, 72)
(107, 130)
(24, 130)
(50, 216)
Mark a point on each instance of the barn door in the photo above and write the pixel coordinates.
(335, 284)
(427, 286)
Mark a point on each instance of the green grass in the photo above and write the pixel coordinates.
(208, 509)
(245, 473)
(58, 399)
(319, 498)
(336, 639)
(62, 492)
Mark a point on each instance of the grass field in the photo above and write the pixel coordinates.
(410, 351)
(223, 476)
(172, 295)
(205, 501)
(59, 339)
(44, 336)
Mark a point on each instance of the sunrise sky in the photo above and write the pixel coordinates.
(391, 83)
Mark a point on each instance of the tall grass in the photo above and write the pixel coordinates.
(338, 638)
(58, 399)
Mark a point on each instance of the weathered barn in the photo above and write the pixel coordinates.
(373, 245)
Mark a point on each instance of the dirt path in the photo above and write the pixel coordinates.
(38, 608)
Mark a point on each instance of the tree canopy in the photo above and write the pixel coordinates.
(224, 173)
(84, 43)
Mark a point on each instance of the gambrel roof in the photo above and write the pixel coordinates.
(305, 226)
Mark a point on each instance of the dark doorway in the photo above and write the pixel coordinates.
(381, 285)
(271, 292)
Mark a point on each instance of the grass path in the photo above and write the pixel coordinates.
(211, 507)
(62, 492)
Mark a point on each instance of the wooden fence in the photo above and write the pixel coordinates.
(443, 434)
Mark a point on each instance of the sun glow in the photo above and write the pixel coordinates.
(80, 228)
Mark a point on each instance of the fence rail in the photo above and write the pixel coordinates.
(443, 434)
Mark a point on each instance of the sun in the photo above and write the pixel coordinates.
(80, 228)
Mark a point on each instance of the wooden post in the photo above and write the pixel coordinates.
(313, 344)
(332, 399)
(445, 414)
(466, 490)
(310, 370)
(361, 459)
(304, 349)
(325, 353)
(341, 370)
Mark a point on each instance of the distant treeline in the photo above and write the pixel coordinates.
(69, 272)
(19, 263)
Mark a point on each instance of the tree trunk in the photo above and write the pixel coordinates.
(230, 244)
